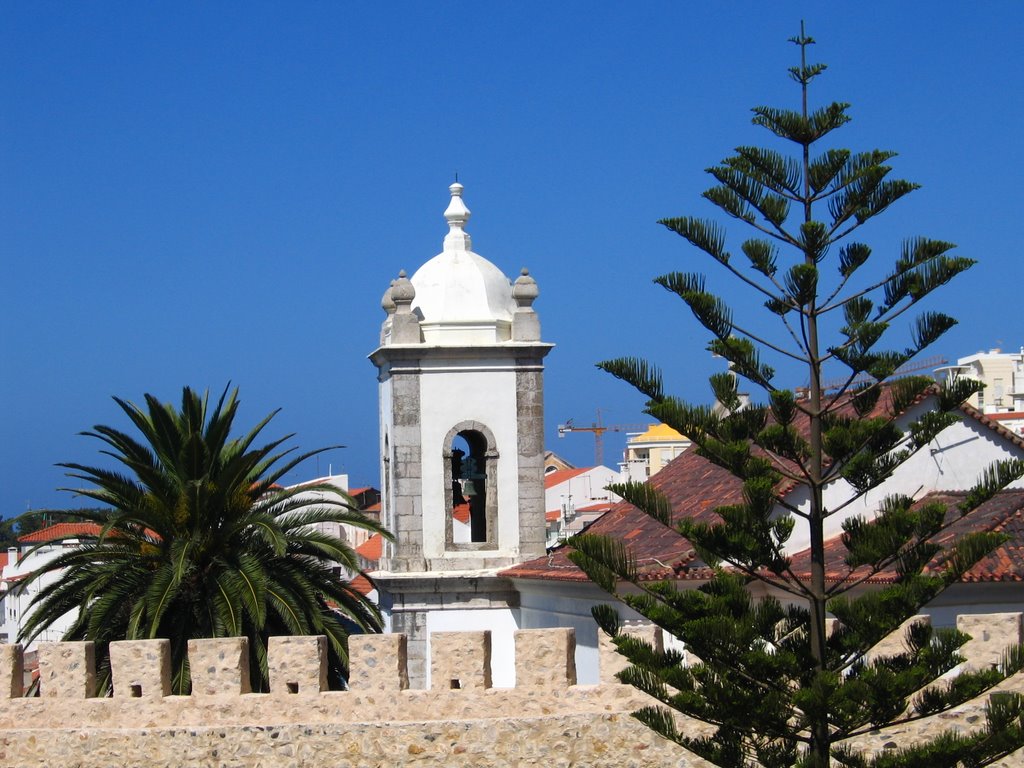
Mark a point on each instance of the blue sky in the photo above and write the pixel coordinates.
(198, 193)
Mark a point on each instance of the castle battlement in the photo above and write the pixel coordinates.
(461, 720)
(141, 669)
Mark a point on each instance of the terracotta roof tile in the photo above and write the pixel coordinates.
(372, 548)
(600, 506)
(562, 475)
(1002, 513)
(361, 584)
(1006, 416)
(694, 487)
(60, 531)
(461, 513)
(995, 426)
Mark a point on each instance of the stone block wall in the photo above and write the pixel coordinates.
(142, 670)
(546, 720)
(297, 665)
(460, 660)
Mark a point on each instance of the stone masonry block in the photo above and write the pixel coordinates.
(141, 668)
(12, 671)
(219, 666)
(612, 662)
(545, 658)
(297, 664)
(460, 660)
(895, 642)
(67, 670)
(990, 634)
(378, 662)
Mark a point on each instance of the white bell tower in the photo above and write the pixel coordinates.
(460, 369)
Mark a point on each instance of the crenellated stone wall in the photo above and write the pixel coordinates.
(462, 721)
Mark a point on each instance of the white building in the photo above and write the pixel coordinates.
(19, 562)
(352, 535)
(23, 560)
(1002, 373)
(574, 498)
(460, 371)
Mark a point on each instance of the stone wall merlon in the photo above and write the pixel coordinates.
(298, 665)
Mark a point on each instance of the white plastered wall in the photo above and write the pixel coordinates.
(953, 461)
(582, 490)
(451, 396)
(17, 600)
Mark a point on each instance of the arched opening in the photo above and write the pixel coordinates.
(470, 487)
(469, 484)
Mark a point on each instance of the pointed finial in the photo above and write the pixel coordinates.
(387, 302)
(402, 291)
(524, 289)
(457, 215)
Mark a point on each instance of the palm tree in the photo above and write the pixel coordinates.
(200, 541)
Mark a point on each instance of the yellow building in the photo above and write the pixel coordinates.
(648, 452)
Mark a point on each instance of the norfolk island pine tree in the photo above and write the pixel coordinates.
(778, 684)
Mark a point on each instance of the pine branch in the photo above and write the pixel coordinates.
(996, 477)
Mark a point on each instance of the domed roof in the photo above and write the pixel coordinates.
(461, 297)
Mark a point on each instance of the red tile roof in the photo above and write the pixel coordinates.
(1005, 563)
(1003, 513)
(553, 515)
(694, 487)
(600, 506)
(361, 584)
(372, 548)
(461, 513)
(60, 531)
(693, 484)
(987, 421)
(1006, 415)
(560, 476)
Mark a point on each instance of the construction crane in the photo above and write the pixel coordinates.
(598, 429)
(914, 366)
(927, 364)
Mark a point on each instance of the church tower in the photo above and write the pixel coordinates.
(460, 371)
